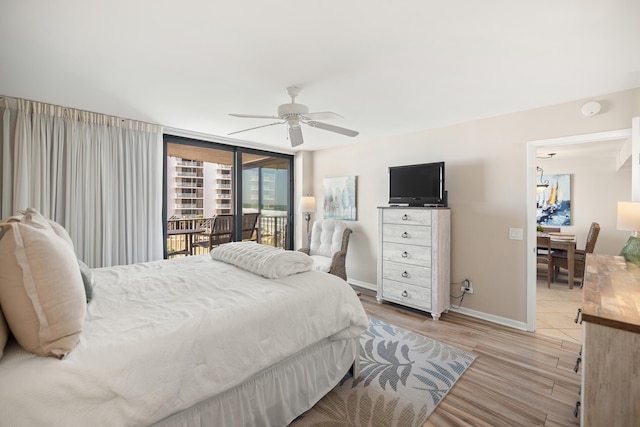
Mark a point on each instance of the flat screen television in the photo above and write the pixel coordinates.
(417, 185)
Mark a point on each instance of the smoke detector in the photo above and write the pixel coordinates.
(591, 108)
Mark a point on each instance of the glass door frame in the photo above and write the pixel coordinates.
(236, 185)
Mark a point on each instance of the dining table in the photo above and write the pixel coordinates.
(563, 243)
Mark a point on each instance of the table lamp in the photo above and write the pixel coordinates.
(307, 205)
(629, 219)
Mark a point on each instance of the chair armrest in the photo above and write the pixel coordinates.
(338, 255)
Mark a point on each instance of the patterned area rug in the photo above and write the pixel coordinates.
(403, 377)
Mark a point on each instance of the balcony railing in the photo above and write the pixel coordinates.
(182, 174)
(189, 163)
(272, 231)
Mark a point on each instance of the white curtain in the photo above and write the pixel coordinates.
(98, 176)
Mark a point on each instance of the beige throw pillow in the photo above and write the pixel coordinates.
(41, 293)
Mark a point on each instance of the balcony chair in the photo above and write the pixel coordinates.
(221, 232)
(327, 245)
(559, 258)
(250, 226)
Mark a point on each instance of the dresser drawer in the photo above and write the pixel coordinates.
(406, 216)
(407, 234)
(405, 273)
(406, 254)
(406, 294)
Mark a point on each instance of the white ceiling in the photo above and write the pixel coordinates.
(388, 67)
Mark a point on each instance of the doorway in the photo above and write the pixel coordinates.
(532, 148)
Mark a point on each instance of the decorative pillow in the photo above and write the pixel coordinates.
(4, 333)
(87, 280)
(41, 293)
(62, 232)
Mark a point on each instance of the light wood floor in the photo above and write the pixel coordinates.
(518, 379)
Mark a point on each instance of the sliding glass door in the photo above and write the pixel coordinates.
(266, 184)
(216, 193)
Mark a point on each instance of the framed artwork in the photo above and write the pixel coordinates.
(340, 198)
(553, 205)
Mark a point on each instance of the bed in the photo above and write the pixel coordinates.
(193, 341)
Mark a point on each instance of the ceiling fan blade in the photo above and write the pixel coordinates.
(332, 128)
(324, 115)
(253, 116)
(257, 127)
(295, 135)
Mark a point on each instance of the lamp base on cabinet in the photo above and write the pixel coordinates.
(631, 250)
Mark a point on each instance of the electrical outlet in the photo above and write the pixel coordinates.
(467, 286)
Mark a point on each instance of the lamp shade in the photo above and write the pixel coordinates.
(307, 204)
(628, 216)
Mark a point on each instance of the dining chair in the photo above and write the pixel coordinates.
(543, 255)
(559, 258)
(551, 229)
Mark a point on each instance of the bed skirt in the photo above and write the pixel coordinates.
(277, 395)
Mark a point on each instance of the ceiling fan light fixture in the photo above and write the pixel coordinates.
(293, 114)
(292, 109)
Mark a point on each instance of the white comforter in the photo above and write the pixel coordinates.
(162, 336)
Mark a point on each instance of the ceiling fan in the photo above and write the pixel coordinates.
(293, 114)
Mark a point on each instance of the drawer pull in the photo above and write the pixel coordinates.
(576, 411)
(405, 217)
(405, 235)
(578, 360)
(405, 274)
(405, 254)
(578, 316)
(405, 294)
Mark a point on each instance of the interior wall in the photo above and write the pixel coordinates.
(302, 185)
(486, 180)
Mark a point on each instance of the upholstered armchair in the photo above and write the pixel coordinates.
(327, 245)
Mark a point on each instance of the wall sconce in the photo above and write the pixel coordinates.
(629, 220)
(307, 205)
(542, 185)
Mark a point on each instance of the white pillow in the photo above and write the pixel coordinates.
(41, 294)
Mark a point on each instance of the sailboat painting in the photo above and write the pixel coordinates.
(553, 205)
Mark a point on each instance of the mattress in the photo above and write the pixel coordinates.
(161, 337)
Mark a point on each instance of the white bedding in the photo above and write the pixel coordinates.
(162, 336)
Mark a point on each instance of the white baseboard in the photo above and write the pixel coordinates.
(361, 284)
(491, 318)
(462, 310)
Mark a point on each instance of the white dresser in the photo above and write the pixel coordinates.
(414, 257)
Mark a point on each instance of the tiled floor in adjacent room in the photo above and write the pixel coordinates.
(556, 309)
